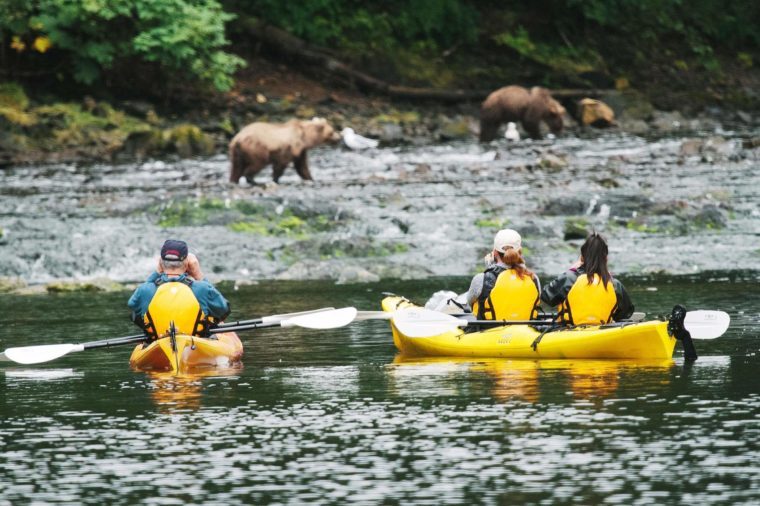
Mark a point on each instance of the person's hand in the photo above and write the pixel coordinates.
(194, 267)
(488, 260)
(578, 263)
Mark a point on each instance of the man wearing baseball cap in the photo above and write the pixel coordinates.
(507, 289)
(177, 293)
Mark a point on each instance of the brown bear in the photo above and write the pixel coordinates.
(259, 144)
(515, 103)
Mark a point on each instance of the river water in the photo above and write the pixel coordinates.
(336, 416)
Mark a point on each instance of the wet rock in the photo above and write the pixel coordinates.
(188, 140)
(354, 274)
(455, 129)
(667, 121)
(576, 229)
(95, 285)
(621, 206)
(552, 162)
(711, 216)
(11, 284)
(143, 144)
(391, 133)
(744, 117)
(752, 143)
(691, 147)
(709, 146)
(634, 126)
(595, 113)
(564, 207)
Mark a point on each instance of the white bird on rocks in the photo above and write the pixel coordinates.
(355, 141)
(512, 134)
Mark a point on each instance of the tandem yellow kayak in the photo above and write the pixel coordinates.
(645, 340)
(184, 353)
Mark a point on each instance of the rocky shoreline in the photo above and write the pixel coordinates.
(100, 132)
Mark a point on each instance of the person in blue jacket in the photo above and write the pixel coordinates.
(177, 294)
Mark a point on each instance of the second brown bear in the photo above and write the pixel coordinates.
(515, 103)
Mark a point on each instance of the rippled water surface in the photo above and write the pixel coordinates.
(337, 417)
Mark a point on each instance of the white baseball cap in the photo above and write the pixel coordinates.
(507, 238)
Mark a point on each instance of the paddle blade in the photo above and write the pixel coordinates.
(420, 322)
(323, 320)
(277, 318)
(706, 324)
(39, 354)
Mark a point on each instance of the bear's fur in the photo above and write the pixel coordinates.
(259, 144)
(515, 103)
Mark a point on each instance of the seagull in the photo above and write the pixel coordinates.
(355, 141)
(512, 134)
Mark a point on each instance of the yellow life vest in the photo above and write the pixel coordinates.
(174, 301)
(511, 298)
(589, 304)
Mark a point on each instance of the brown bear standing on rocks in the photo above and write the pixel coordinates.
(515, 103)
(259, 144)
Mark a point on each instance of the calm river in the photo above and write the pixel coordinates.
(337, 417)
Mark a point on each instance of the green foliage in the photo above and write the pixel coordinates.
(183, 39)
(371, 28)
(561, 58)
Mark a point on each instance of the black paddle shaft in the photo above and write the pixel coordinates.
(115, 341)
(238, 328)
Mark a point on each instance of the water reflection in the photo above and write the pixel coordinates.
(42, 374)
(171, 392)
(511, 379)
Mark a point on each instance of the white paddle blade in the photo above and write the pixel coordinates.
(39, 354)
(277, 318)
(706, 324)
(419, 322)
(323, 320)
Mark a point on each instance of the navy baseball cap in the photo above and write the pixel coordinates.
(174, 250)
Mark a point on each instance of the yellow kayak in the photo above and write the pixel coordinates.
(187, 353)
(645, 340)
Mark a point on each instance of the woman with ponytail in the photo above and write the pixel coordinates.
(507, 289)
(587, 294)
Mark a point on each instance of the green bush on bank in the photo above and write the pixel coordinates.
(175, 39)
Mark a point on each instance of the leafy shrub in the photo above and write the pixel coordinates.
(183, 39)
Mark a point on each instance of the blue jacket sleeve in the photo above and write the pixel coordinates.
(212, 301)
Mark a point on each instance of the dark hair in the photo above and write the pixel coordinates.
(514, 260)
(594, 253)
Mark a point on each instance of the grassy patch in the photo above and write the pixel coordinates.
(494, 223)
(246, 217)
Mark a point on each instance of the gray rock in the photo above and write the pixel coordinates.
(391, 133)
(354, 274)
(634, 126)
(744, 116)
(552, 162)
(711, 216)
(564, 207)
(667, 121)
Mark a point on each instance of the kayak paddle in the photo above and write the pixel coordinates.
(322, 319)
(419, 322)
